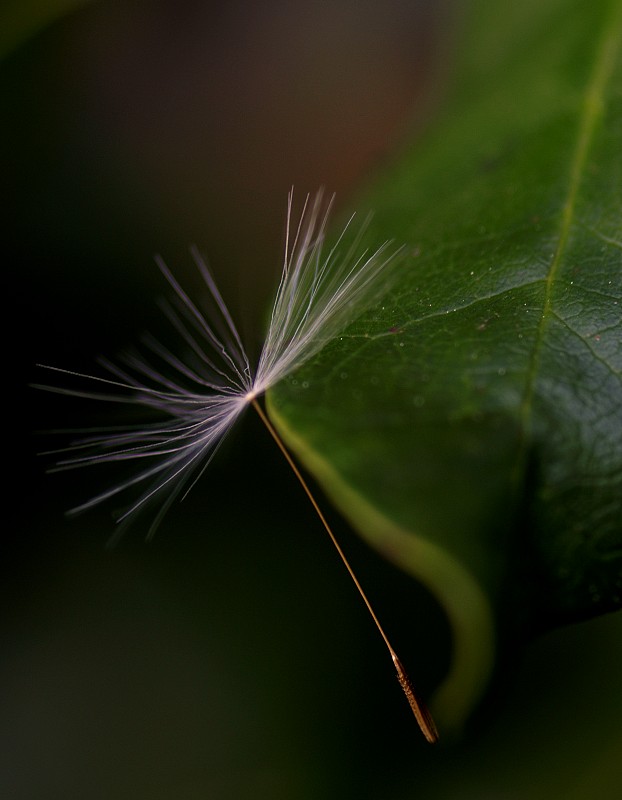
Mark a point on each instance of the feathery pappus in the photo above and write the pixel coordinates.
(200, 395)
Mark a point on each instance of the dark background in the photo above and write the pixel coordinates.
(230, 657)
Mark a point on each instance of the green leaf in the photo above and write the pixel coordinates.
(470, 428)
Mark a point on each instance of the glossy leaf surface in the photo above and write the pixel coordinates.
(470, 427)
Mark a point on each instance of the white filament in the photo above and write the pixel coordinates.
(202, 395)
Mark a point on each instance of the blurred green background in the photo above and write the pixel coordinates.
(230, 657)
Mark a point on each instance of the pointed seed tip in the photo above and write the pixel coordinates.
(418, 707)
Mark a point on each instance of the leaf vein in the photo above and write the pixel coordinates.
(605, 56)
(586, 342)
(443, 312)
(603, 237)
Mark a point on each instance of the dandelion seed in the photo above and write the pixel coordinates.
(202, 395)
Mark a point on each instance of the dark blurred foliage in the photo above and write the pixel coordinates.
(230, 657)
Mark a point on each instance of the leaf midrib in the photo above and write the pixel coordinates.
(605, 58)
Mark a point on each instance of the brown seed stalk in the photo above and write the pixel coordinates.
(419, 708)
